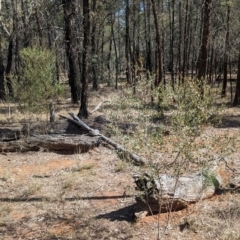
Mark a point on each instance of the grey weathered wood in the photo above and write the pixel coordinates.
(94, 132)
(165, 193)
(65, 143)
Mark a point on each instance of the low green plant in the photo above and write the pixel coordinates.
(36, 85)
(190, 109)
(210, 179)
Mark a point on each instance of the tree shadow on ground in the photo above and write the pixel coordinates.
(122, 214)
(23, 198)
(230, 121)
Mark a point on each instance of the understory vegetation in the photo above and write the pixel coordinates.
(174, 133)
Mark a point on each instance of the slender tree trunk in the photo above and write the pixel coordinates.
(49, 30)
(72, 49)
(148, 40)
(55, 47)
(109, 62)
(148, 43)
(236, 100)
(225, 63)
(86, 29)
(25, 37)
(211, 67)
(128, 45)
(180, 43)
(203, 52)
(185, 46)
(16, 37)
(102, 55)
(115, 49)
(2, 71)
(9, 67)
(159, 57)
(93, 40)
(39, 25)
(134, 56)
(172, 23)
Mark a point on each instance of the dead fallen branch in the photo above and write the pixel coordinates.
(63, 143)
(94, 132)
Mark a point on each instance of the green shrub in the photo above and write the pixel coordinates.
(36, 85)
(191, 109)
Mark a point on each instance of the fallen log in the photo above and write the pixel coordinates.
(95, 132)
(59, 143)
(164, 193)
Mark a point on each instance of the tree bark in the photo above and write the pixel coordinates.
(159, 60)
(172, 38)
(24, 13)
(86, 28)
(236, 100)
(180, 78)
(185, 39)
(63, 143)
(225, 63)
(9, 67)
(203, 52)
(93, 42)
(115, 49)
(71, 48)
(2, 74)
(39, 25)
(128, 44)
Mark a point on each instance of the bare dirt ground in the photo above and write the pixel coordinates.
(46, 195)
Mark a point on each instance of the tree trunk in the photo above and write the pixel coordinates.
(39, 27)
(72, 49)
(115, 49)
(148, 42)
(24, 13)
(8, 68)
(225, 63)
(185, 46)
(109, 62)
(203, 52)
(172, 17)
(159, 61)
(2, 71)
(86, 28)
(128, 45)
(236, 100)
(93, 41)
(180, 44)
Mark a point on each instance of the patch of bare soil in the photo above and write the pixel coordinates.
(45, 195)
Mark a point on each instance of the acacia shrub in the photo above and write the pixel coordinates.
(36, 85)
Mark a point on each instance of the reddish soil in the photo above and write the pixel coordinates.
(45, 195)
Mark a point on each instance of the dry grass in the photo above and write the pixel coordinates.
(83, 196)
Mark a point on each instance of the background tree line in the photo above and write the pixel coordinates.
(167, 41)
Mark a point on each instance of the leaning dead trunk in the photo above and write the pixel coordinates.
(94, 132)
